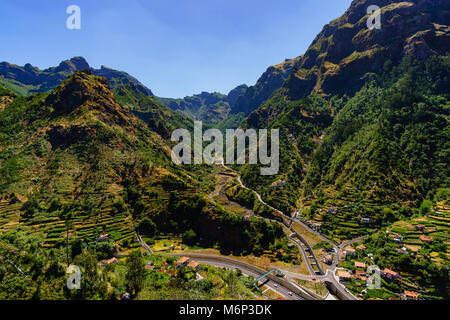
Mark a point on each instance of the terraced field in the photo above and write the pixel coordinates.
(9, 215)
(436, 226)
(347, 223)
(88, 226)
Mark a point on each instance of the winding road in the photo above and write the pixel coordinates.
(288, 289)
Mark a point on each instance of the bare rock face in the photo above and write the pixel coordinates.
(5, 101)
(49, 79)
(73, 65)
(269, 82)
(344, 55)
(346, 51)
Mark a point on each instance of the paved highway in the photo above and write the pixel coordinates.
(279, 285)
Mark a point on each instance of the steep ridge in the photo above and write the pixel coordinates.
(269, 82)
(347, 57)
(29, 79)
(345, 54)
(211, 108)
(75, 152)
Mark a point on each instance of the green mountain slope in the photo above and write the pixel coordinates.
(72, 153)
(28, 79)
(361, 160)
(270, 81)
(212, 108)
(77, 157)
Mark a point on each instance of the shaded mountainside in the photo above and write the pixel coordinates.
(346, 53)
(211, 108)
(29, 79)
(389, 148)
(77, 157)
(74, 153)
(269, 82)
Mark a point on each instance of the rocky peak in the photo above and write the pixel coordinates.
(73, 65)
(83, 92)
(234, 94)
(346, 50)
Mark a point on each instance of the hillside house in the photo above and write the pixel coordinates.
(366, 220)
(360, 275)
(361, 247)
(360, 265)
(349, 251)
(316, 226)
(426, 239)
(183, 262)
(397, 238)
(103, 237)
(390, 275)
(107, 262)
(344, 275)
(194, 265)
(280, 183)
(411, 295)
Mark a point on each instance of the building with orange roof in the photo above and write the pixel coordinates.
(390, 274)
(110, 261)
(103, 237)
(360, 265)
(411, 295)
(183, 262)
(344, 275)
(426, 239)
(194, 265)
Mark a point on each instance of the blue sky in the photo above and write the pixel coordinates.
(175, 47)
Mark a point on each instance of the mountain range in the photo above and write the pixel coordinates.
(364, 128)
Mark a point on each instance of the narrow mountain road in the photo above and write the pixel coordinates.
(288, 289)
(144, 245)
(328, 277)
(304, 246)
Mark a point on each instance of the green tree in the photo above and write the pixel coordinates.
(425, 207)
(135, 275)
(147, 227)
(190, 237)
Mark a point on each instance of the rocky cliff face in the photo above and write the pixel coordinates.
(335, 140)
(270, 81)
(208, 107)
(345, 54)
(29, 79)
